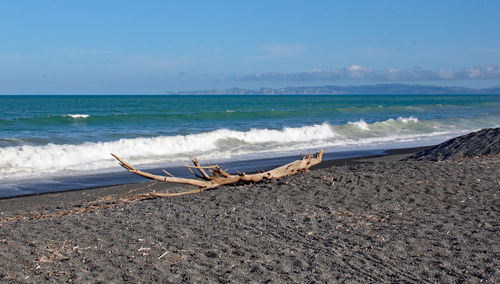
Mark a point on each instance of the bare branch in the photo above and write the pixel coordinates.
(168, 173)
(197, 165)
(221, 177)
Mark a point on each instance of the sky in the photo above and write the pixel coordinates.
(145, 47)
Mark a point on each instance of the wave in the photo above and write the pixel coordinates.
(28, 160)
(78, 115)
(361, 124)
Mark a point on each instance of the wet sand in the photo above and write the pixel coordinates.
(374, 219)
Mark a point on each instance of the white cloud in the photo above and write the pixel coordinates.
(356, 72)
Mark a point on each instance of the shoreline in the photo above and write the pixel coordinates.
(95, 181)
(67, 199)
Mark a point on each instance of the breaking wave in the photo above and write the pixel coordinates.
(78, 115)
(29, 160)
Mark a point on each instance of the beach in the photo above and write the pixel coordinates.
(379, 219)
(250, 142)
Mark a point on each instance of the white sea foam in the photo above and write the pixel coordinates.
(361, 124)
(23, 161)
(408, 119)
(78, 115)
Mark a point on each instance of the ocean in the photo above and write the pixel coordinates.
(50, 143)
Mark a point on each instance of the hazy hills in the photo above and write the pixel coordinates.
(388, 89)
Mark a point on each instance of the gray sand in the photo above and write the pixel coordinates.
(378, 221)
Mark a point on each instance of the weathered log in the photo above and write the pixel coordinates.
(218, 176)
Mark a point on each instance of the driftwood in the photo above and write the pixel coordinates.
(214, 176)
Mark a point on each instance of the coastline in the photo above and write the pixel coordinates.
(25, 205)
(75, 136)
(96, 181)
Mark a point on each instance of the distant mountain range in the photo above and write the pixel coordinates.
(379, 89)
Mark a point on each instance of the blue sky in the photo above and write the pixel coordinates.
(153, 46)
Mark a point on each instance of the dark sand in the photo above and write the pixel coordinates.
(362, 220)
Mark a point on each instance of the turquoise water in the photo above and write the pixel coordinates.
(43, 136)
